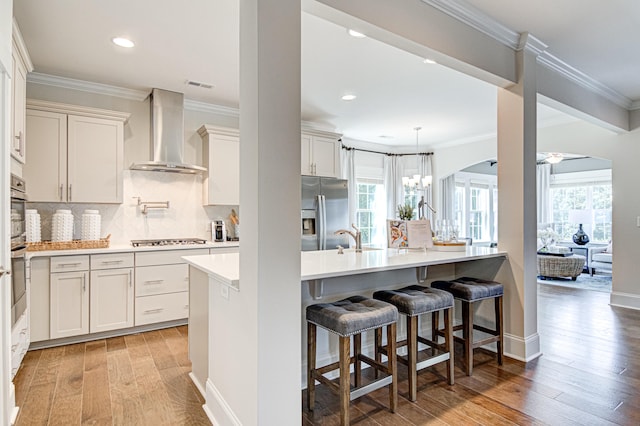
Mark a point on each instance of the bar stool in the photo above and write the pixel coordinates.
(414, 301)
(468, 291)
(346, 318)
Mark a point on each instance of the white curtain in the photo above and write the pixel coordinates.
(448, 193)
(425, 169)
(349, 172)
(393, 184)
(543, 181)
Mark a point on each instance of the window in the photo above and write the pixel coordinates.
(371, 211)
(582, 198)
(476, 206)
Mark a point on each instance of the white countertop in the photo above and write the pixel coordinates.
(127, 247)
(329, 264)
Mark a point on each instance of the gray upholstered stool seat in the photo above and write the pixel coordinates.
(346, 318)
(413, 301)
(416, 300)
(469, 290)
(352, 315)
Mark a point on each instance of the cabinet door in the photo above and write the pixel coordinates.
(46, 170)
(222, 185)
(305, 153)
(95, 160)
(326, 157)
(69, 304)
(111, 298)
(18, 98)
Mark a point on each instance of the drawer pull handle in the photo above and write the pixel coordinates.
(107, 262)
(153, 282)
(64, 265)
(153, 311)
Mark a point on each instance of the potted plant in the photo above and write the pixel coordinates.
(405, 212)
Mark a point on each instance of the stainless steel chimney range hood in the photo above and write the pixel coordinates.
(167, 135)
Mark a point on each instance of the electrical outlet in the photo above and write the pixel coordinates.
(224, 292)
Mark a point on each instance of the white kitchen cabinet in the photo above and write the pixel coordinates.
(111, 299)
(21, 65)
(320, 153)
(76, 153)
(221, 155)
(111, 292)
(69, 304)
(39, 300)
(162, 285)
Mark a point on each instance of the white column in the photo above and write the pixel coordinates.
(270, 212)
(517, 203)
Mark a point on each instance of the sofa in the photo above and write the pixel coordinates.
(600, 258)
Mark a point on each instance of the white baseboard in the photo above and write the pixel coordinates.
(217, 409)
(523, 349)
(625, 300)
(198, 385)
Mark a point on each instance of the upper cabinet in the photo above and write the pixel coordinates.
(320, 153)
(21, 65)
(221, 156)
(75, 153)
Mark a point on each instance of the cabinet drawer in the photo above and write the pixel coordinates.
(162, 307)
(112, 260)
(70, 263)
(163, 279)
(166, 257)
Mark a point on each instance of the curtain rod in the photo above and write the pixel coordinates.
(348, 148)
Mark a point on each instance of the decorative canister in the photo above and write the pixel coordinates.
(580, 237)
(32, 226)
(91, 221)
(62, 226)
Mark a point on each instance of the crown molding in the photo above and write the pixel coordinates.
(474, 18)
(469, 15)
(528, 42)
(86, 86)
(556, 64)
(192, 105)
(21, 46)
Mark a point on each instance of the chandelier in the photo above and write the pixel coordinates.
(418, 183)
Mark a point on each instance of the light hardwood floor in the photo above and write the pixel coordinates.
(139, 379)
(589, 375)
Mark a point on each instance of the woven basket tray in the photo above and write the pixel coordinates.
(69, 245)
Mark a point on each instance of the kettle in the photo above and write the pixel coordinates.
(218, 231)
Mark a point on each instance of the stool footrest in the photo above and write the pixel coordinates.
(486, 341)
(363, 390)
(432, 361)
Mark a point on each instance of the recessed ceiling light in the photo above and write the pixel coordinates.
(429, 61)
(348, 97)
(356, 34)
(122, 42)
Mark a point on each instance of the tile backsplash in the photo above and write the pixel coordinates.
(186, 217)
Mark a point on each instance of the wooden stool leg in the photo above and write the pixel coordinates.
(377, 343)
(311, 365)
(345, 379)
(435, 319)
(448, 342)
(357, 350)
(412, 355)
(467, 334)
(499, 328)
(392, 366)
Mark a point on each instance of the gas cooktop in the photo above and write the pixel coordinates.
(168, 242)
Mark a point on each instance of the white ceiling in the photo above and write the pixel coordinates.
(198, 40)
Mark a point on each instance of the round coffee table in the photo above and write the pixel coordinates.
(550, 266)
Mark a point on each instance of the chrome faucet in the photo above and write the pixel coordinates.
(357, 236)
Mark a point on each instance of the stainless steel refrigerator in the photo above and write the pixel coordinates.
(325, 209)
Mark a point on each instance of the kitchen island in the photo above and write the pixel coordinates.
(325, 276)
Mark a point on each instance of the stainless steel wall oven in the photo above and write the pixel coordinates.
(18, 249)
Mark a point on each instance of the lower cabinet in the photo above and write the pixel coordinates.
(69, 304)
(111, 300)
